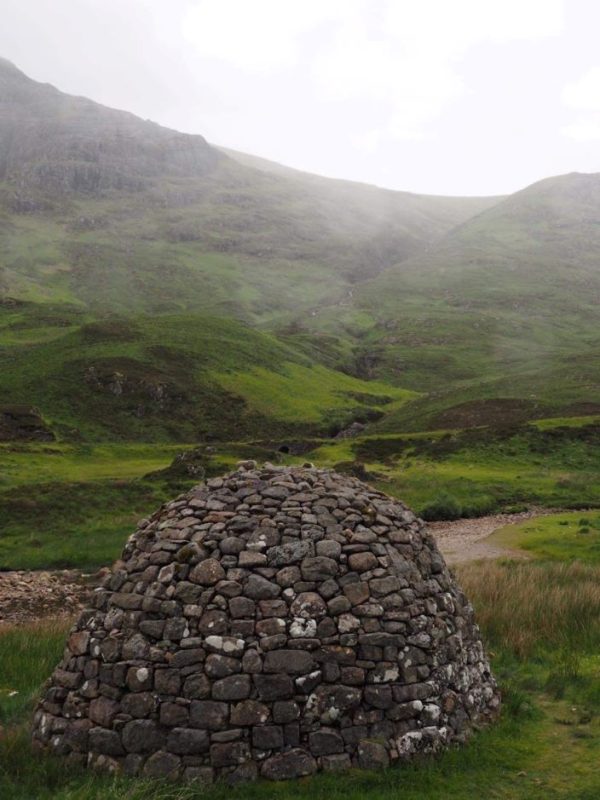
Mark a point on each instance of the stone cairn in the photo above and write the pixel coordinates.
(273, 622)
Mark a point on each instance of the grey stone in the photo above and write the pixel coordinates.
(235, 687)
(173, 715)
(277, 620)
(209, 714)
(336, 763)
(290, 662)
(167, 681)
(240, 607)
(308, 605)
(139, 679)
(372, 755)
(319, 568)
(325, 742)
(267, 737)
(285, 711)
(259, 588)
(103, 710)
(196, 687)
(295, 763)
(249, 712)
(274, 687)
(142, 736)
(207, 572)
(101, 740)
(338, 605)
(288, 576)
(162, 765)
(362, 562)
(218, 666)
(232, 545)
(289, 553)
(229, 754)
(188, 741)
(139, 704)
(329, 548)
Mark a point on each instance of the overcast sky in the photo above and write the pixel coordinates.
(437, 96)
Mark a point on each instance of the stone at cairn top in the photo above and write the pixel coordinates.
(273, 622)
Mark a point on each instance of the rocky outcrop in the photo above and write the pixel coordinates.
(273, 622)
(23, 423)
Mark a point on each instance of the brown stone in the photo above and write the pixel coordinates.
(362, 562)
(102, 711)
(357, 592)
(249, 712)
(207, 572)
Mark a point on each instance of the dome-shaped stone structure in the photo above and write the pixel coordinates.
(273, 622)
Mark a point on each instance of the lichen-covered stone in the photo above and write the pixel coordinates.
(273, 622)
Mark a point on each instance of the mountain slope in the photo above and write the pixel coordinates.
(170, 378)
(100, 208)
(506, 305)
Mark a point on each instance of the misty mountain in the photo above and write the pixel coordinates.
(507, 304)
(484, 309)
(101, 207)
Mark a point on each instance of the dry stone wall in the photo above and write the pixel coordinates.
(270, 623)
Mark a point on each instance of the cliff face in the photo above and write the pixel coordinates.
(53, 142)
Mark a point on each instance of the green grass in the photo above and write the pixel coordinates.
(175, 378)
(31, 463)
(83, 525)
(314, 394)
(27, 656)
(482, 470)
(566, 422)
(558, 537)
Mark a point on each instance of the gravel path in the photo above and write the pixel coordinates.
(466, 539)
(27, 596)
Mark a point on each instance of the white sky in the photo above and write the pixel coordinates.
(438, 96)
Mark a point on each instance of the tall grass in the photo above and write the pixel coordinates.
(28, 654)
(527, 608)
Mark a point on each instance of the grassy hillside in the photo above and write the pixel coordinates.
(100, 208)
(505, 307)
(172, 378)
(487, 309)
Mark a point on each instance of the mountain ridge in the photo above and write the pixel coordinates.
(458, 300)
(127, 179)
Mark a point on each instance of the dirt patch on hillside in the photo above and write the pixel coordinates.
(497, 413)
(26, 596)
(467, 539)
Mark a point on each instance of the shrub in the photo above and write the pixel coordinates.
(443, 507)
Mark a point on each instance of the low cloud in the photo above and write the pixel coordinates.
(583, 95)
